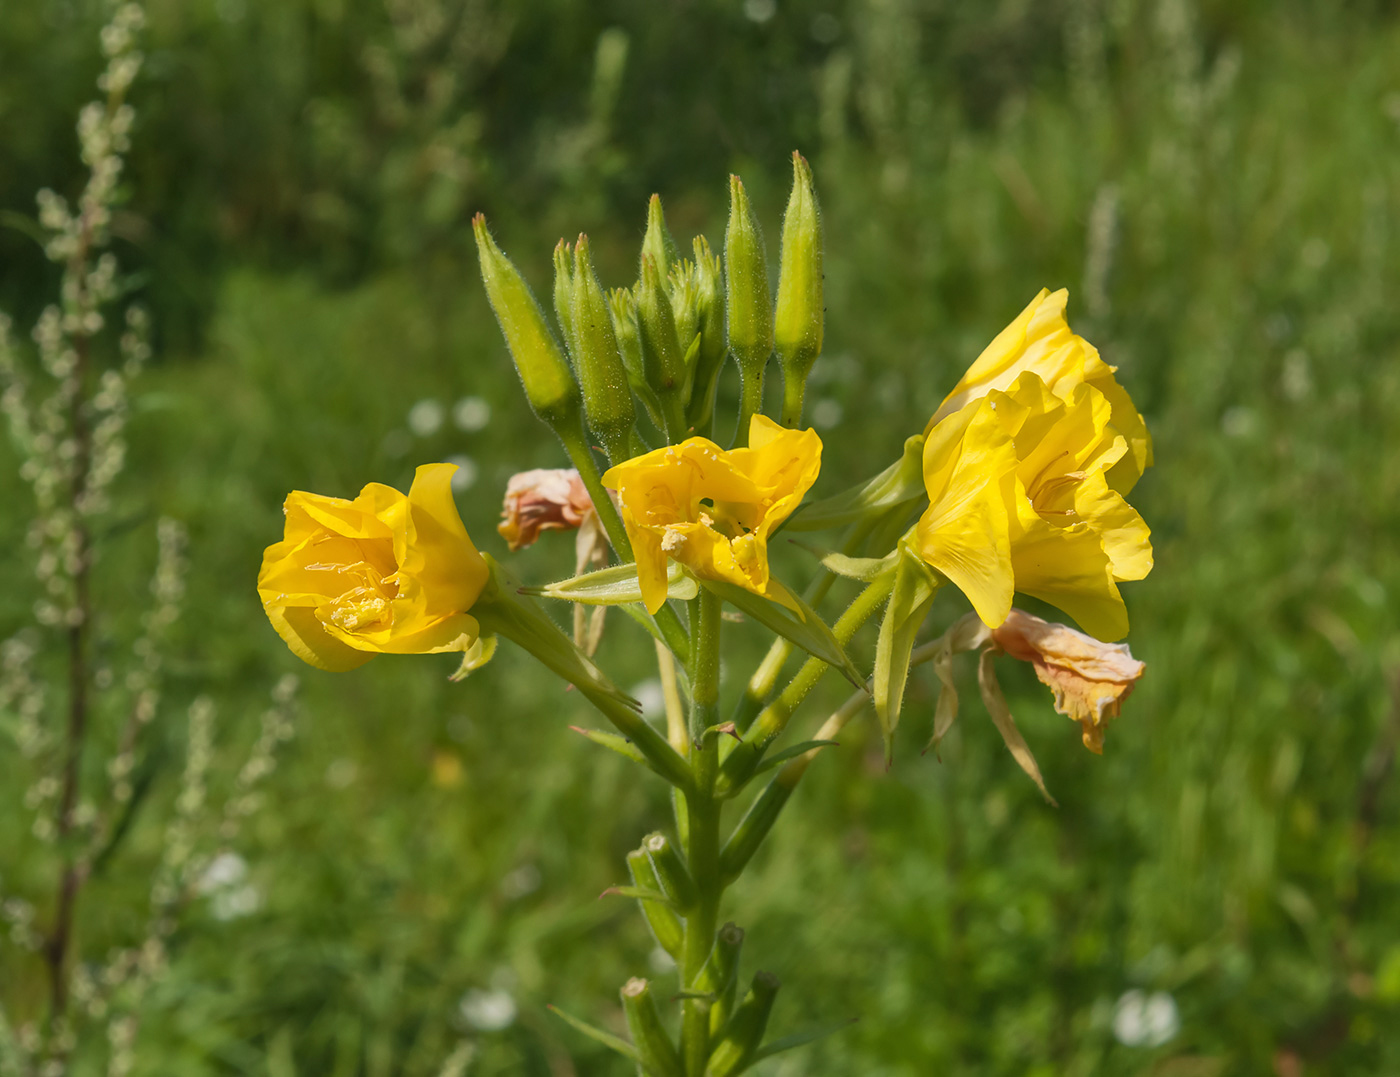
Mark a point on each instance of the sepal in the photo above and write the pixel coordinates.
(915, 585)
(900, 484)
(615, 586)
(790, 617)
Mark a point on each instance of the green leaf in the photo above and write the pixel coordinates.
(915, 586)
(902, 481)
(607, 1039)
(798, 1039)
(641, 893)
(853, 568)
(794, 620)
(792, 753)
(614, 586)
(618, 743)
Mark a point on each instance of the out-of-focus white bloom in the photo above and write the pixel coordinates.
(488, 1011)
(464, 478)
(1145, 1020)
(425, 417)
(521, 882)
(471, 414)
(648, 693)
(224, 871)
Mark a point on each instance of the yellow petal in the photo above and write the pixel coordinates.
(307, 637)
(1067, 567)
(1125, 536)
(964, 533)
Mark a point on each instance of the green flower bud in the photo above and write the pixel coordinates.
(607, 400)
(657, 243)
(661, 348)
(749, 302)
(654, 1047)
(681, 287)
(709, 322)
(629, 343)
(720, 976)
(797, 326)
(564, 294)
(671, 870)
(661, 918)
(742, 1035)
(549, 387)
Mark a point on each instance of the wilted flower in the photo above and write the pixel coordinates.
(712, 509)
(545, 499)
(386, 573)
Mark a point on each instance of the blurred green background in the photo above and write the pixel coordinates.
(1216, 181)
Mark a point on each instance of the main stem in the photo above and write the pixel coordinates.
(701, 830)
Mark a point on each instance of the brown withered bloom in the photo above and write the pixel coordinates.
(1089, 679)
(555, 499)
(545, 499)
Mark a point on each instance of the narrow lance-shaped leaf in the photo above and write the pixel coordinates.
(902, 482)
(615, 586)
(794, 620)
(915, 586)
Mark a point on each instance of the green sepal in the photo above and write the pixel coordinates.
(864, 569)
(660, 917)
(799, 1039)
(615, 586)
(792, 619)
(623, 308)
(915, 585)
(778, 758)
(900, 483)
(475, 656)
(607, 1039)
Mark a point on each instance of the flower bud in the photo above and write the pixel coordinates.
(564, 294)
(661, 918)
(661, 351)
(607, 400)
(550, 389)
(629, 342)
(671, 870)
(797, 322)
(657, 243)
(654, 1047)
(720, 976)
(709, 322)
(744, 1032)
(749, 302)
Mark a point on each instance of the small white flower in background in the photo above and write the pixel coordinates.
(826, 413)
(648, 693)
(760, 11)
(488, 1011)
(224, 871)
(1143, 1020)
(425, 418)
(224, 883)
(341, 772)
(521, 882)
(471, 414)
(464, 478)
(660, 961)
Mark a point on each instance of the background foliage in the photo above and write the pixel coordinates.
(1217, 182)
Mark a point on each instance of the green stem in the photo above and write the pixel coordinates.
(794, 389)
(750, 402)
(745, 757)
(701, 830)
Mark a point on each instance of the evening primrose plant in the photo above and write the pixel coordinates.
(1018, 483)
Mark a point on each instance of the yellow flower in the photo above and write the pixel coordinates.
(712, 510)
(382, 574)
(1019, 500)
(1040, 341)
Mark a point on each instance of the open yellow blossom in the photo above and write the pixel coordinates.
(1040, 341)
(386, 573)
(712, 510)
(1019, 500)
